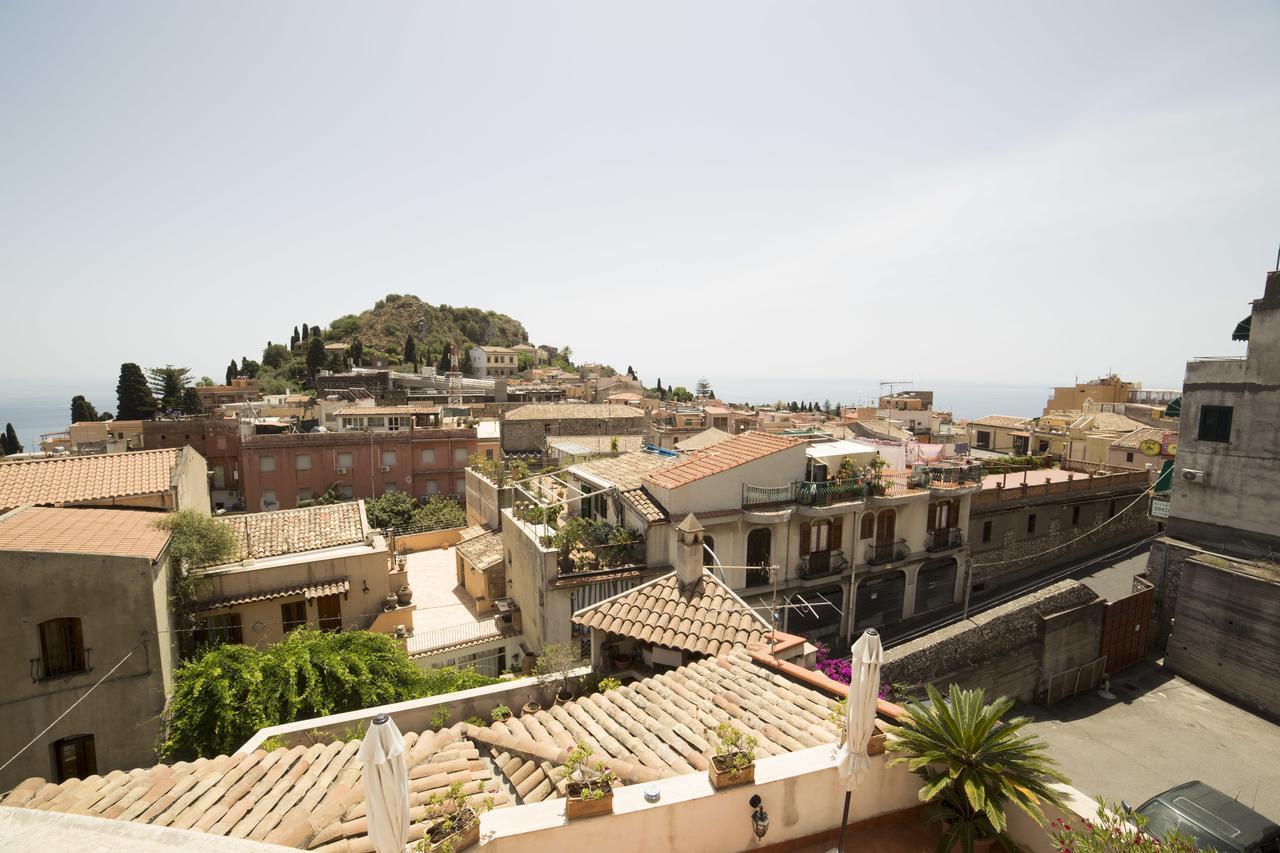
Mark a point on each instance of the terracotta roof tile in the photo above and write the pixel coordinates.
(109, 532)
(702, 440)
(290, 531)
(309, 591)
(623, 471)
(1133, 440)
(572, 411)
(1000, 421)
(727, 455)
(78, 479)
(482, 550)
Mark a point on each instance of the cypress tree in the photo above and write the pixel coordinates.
(293, 341)
(410, 351)
(315, 355)
(306, 331)
(134, 400)
(357, 352)
(9, 441)
(232, 371)
(82, 410)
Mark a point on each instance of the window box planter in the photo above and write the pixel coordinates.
(726, 777)
(458, 840)
(577, 806)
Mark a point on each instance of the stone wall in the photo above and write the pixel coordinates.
(1000, 650)
(527, 436)
(1226, 635)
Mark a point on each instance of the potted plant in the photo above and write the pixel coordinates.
(530, 707)
(500, 714)
(734, 762)
(390, 602)
(589, 787)
(554, 666)
(971, 763)
(458, 824)
(404, 595)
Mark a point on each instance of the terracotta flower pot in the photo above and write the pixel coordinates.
(575, 806)
(531, 708)
(460, 840)
(727, 777)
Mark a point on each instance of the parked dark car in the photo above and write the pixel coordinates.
(1213, 820)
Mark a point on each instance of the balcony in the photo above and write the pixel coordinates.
(946, 475)
(601, 558)
(879, 553)
(821, 564)
(944, 539)
(805, 493)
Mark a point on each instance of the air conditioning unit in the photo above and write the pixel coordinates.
(344, 470)
(1192, 476)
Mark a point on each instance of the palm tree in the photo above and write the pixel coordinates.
(971, 763)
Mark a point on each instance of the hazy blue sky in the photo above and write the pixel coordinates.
(1013, 192)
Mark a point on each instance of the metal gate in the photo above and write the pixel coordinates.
(1075, 680)
(1126, 625)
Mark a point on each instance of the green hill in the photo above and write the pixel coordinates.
(384, 327)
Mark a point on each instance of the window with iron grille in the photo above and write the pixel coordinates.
(62, 647)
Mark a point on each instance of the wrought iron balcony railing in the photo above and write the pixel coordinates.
(887, 552)
(944, 539)
(822, 563)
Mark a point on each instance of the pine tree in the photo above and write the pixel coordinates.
(82, 410)
(410, 351)
(232, 371)
(703, 388)
(9, 441)
(189, 403)
(134, 400)
(315, 355)
(167, 383)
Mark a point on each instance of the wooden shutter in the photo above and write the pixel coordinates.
(837, 528)
(234, 631)
(868, 525)
(933, 518)
(804, 539)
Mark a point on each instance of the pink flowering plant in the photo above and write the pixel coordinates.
(1114, 832)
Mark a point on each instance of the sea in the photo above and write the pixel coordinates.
(35, 409)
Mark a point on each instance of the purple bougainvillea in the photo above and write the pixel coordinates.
(837, 669)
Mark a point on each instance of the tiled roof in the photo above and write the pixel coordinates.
(558, 411)
(707, 618)
(481, 549)
(357, 411)
(1000, 421)
(1134, 439)
(623, 471)
(1106, 421)
(309, 591)
(76, 479)
(604, 443)
(738, 450)
(644, 505)
(107, 532)
(305, 797)
(704, 439)
(879, 428)
(289, 531)
(313, 797)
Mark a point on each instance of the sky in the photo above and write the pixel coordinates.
(1014, 192)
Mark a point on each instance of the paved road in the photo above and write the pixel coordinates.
(1161, 730)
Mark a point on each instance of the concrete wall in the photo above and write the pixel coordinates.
(526, 436)
(1226, 634)
(485, 501)
(191, 482)
(117, 600)
(429, 540)
(1001, 650)
(530, 569)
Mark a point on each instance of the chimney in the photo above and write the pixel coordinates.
(689, 551)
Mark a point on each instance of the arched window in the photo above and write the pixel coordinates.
(868, 530)
(886, 526)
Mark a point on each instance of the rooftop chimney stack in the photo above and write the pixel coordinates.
(689, 551)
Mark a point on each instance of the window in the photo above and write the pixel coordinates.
(460, 488)
(428, 456)
(344, 461)
(1075, 516)
(1111, 509)
(986, 531)
(1215, 423)
(432, 488)
(1128, 457)
(74, 758)
(983, 439)
(329, 612)
(459, 456)
(388, 458)
(269, 499)
(1031, 523)
(346, 491)
(868, 530)
(302, 462)
(305, 495)
(390, 487)
(293, 615)
(266, 463)
(62, 647)
(223, 628)
(488, 453)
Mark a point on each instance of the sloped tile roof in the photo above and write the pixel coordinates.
(1106, 421)
(573, 411)
(290, 531)
(309, 591)
(1134, 440)
(707, 618)
(305, 797)
(623, 471)
(738, 450)
(706, 438)
(1008, 421)
(644, 505)
(481, 549)
(313, 797)
(76, 479)
(604, 443)
(107, 532)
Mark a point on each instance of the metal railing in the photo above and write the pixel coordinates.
(805, 493)
(768, 497)
(1016, 491)
(821, 563)
(424, 642)
(887, 552)
(949, 474)
(944, 539)
(602, 558)
(76, 664)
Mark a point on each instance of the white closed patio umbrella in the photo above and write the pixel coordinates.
(386, 786)
(860, 717)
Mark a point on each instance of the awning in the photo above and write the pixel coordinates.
(309, 591)
(1174, 409)
(1242, 329)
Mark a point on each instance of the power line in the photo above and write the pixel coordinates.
(69, 710)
